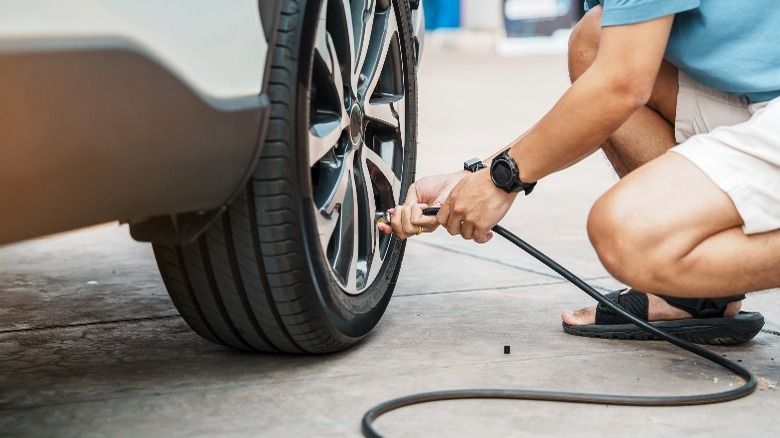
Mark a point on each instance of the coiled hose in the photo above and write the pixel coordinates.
(572, 397)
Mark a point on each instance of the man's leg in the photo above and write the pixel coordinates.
(645, 136)
(668, 228)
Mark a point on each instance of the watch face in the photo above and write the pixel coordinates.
(501, 173)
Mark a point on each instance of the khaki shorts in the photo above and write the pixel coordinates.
(737, 145)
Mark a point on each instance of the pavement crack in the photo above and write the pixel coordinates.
(488, 259)
(88, 324)
(502, 263)
(480, 289)
(771, 328)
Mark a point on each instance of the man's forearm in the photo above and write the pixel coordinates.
(603, 98)
(576, 126)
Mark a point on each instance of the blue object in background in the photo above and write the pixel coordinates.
(441, 14)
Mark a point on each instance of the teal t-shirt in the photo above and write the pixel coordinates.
(731, 46)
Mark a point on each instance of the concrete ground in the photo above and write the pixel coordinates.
(90, 344)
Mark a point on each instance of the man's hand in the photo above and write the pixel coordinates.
(407, 219)
(475, 206)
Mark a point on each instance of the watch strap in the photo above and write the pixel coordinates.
(473, 165)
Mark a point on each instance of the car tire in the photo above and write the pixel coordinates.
(295, 264)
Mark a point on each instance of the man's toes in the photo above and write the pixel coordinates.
(585, 316)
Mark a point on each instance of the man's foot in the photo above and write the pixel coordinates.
(704, 321)
(657, 310)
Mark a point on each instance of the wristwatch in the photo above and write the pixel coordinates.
(473, 165)
(506, 175)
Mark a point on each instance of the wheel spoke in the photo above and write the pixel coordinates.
(383, 113)
(333, 188)
(356, 278)
(400, 111)
(321, 36)
(326, 226)
(373, 261)
(381, 172)
(329, 116)
(345, 11)
(369, 187)
(321, 146)
(384, 37)
(344, 239)
(363, 15)
(325, 48)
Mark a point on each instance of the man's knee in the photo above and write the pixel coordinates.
(605, 227)
(584, 43)
(627, 244)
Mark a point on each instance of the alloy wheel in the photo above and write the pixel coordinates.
(356, 135)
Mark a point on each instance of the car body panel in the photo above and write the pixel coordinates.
(217, 47)
(94, 130)
(126, 110)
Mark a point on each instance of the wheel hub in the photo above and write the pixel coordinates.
(356, 125)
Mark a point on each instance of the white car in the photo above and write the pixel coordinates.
(252, 143)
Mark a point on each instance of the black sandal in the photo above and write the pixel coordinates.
(708, 326)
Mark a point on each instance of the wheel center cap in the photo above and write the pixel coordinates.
(356, 125)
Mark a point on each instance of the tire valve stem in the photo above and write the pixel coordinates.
(383, 217)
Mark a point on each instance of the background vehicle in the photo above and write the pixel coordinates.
(251, 142)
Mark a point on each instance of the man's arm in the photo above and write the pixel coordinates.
(606, 95)
(618, 83)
